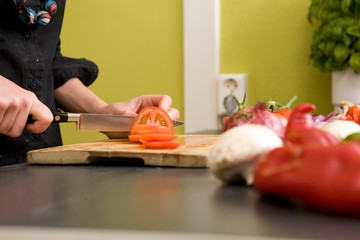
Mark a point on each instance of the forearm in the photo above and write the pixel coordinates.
(74, 96)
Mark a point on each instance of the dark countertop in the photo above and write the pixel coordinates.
(140, 198)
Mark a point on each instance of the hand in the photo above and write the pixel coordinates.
(133, 106)
(16, 104)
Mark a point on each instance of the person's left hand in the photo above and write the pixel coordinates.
(133, 106)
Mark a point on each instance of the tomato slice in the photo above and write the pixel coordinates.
(153, 116)
(155, 131)
(154, 128)
(162, 145)
(152, 137)
(134, 138)
(157, 137)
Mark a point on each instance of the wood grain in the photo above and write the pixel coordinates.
(193, 153)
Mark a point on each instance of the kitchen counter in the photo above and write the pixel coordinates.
(132, 197)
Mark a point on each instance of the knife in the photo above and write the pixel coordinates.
(97, 122)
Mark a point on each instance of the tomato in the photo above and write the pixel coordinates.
(152, 131)
(134, 138)
(154, 128)
(162, 145)
(153, 116)
(152, 137)
(157, 137)
(285, 112)
(353, 114)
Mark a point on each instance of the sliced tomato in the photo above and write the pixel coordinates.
(162, 145)
(153, 116)
(152, 137)
(154, 131)
(154, 128)
(134, 138)
(157, 137)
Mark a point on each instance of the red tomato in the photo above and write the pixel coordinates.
(157, 137)
(152, 137)
(285, 112)
(153, 116)
(134, 138)
(353, 114)
(154, 128)
(162, 145)
(152, 131)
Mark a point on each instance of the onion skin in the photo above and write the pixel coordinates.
(256, 115)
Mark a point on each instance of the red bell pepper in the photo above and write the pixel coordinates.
(301, 130)
(323, 177)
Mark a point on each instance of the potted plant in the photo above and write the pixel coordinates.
(336, 45)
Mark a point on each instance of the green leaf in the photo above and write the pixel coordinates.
(354, 30)
(345, 5)
(313, 12)
(337, 32)
(325, 32)
(347, 40)
(321, 46)
(355, 62)
(329, 48)
(341, 53)
(332, 4)
(357, 45)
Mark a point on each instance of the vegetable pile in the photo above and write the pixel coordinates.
(255, 115)
(314, 166)
(154, 128)
(314, 159)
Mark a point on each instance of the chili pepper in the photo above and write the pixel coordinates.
(301, 129)
(323, 177)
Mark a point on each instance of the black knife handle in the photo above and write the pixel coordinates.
(58, 118)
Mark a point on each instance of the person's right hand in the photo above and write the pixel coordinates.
(16, 104)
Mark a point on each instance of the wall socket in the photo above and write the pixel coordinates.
(232, 84)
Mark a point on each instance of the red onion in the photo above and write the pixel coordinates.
(255, 115)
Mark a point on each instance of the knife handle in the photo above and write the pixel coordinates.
(59, 117)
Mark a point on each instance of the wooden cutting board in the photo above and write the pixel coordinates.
(193, 153)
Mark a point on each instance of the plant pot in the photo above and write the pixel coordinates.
(345, 86)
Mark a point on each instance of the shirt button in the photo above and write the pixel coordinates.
(27, 34)
(34, 85)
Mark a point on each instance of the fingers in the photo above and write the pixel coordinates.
(43, 117)
(14, 112)
(173, 113)
(165, 102)
(9, 124)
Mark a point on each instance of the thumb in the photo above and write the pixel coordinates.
(42, 115)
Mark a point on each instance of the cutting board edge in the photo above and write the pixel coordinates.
(61, 158)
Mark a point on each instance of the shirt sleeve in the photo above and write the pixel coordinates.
(65, 68)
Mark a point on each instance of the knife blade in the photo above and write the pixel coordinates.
(98, 122)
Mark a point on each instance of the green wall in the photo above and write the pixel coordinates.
(270, 40)
(137, 45)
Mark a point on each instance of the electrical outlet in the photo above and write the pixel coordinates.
(230, 85)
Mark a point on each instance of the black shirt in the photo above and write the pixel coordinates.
(30, 57)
